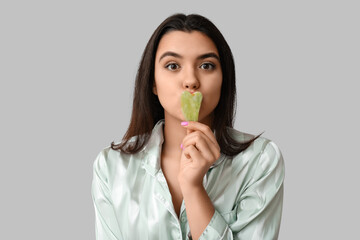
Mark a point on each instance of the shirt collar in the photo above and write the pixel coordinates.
(153, 148)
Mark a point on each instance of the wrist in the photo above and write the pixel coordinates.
(191, 189)
(187, 183)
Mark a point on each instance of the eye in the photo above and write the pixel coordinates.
(172, 66)
(207, 66)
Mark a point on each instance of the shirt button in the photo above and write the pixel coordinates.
(183, 218)
(189, 236)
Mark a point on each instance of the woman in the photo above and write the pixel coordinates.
(176, 179)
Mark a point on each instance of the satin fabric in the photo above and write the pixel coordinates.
(132, 199)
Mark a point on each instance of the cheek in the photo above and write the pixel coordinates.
(166, 98)
(166, 87)
(212, 95)
(214, 88)
(167, 95)
(213, 100)
(163, 79)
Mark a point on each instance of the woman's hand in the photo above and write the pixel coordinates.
(200, 151)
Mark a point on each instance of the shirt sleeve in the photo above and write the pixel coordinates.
(106, 225)
(257, 214)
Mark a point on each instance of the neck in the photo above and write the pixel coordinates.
(174, 133)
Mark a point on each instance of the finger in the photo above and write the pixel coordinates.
(188, 131)
(203, 128)
(195, 156)
(214, 148)
(202, 144)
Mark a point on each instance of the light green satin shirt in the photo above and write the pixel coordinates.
(132, 200)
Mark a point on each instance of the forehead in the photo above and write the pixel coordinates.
(192, 43)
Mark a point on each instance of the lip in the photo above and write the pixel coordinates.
(192, 92)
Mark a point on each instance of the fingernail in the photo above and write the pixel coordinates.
(184, 123)
(181, 146)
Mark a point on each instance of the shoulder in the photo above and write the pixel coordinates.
(262, 156)
(102, 163)
(259, 146)
(109, 162)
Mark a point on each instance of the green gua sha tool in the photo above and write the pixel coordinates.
(190, 105)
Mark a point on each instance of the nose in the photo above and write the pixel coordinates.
(191, 82)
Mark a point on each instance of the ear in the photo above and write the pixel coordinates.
(154, 89)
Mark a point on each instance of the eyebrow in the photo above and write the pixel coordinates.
(203, 56)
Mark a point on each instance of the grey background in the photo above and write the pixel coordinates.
(67, 70)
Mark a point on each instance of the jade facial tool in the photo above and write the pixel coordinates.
(190, 105)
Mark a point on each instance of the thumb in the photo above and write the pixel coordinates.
(188, 131)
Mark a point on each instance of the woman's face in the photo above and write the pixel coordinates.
(187, 62)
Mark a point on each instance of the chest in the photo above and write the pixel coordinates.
(146, 210)
(147, 203)
(170, 172)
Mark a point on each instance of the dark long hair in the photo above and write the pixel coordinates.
(147, 110)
